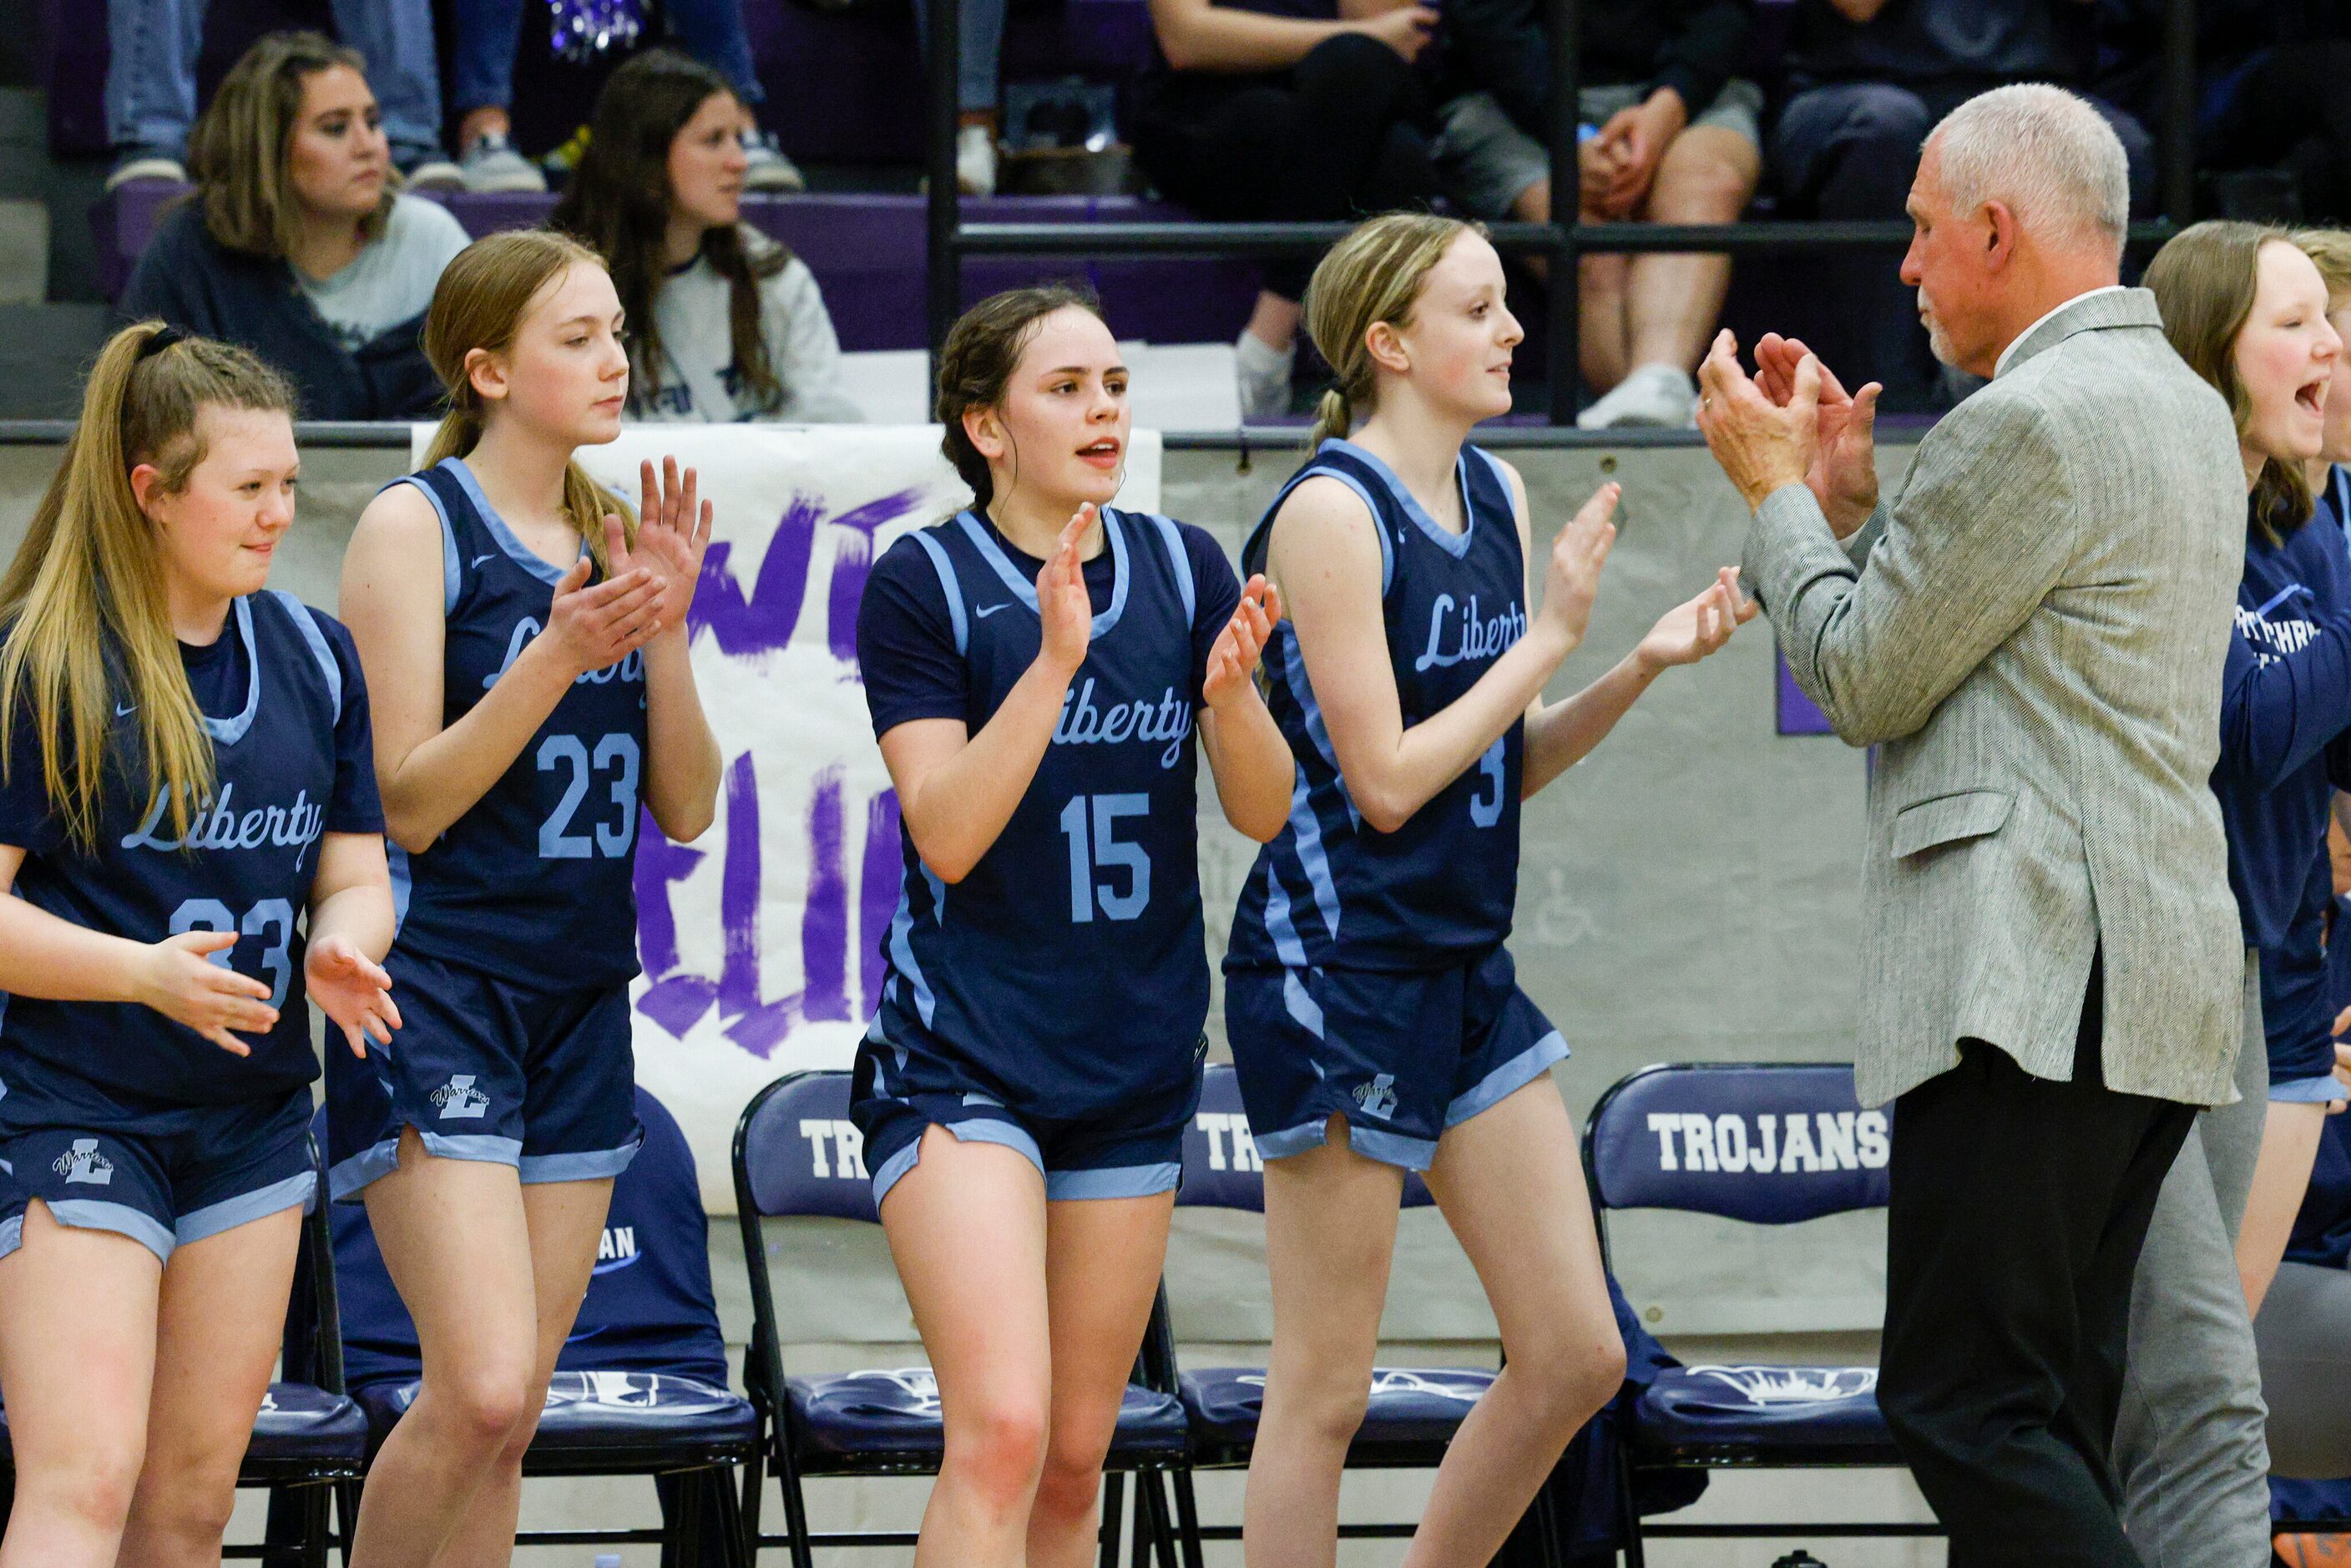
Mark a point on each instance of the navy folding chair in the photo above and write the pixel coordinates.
(641, 1385)
(797, 1154)
(310, 1436)
(1764, 1144)
(1413, 1412)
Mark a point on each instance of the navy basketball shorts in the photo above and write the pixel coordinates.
(2297, 1018)
(1135, 1149)
(1403, 1055)
(162, 1174)
(542, 1080)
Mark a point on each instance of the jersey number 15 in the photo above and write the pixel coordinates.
(1101, 849)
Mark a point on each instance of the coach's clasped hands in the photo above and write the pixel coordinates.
(1792, 423)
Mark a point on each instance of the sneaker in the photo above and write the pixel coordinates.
(976, 159)
(491, 165)
(431, 172)
(1264, 372)
(1655, 395)
(766, 169)
(136, 165)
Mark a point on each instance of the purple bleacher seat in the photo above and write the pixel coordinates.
(866, 252)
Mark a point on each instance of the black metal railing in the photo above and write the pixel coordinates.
(950, 240)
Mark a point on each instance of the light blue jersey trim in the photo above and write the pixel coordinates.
(1113, 1181)
(377, 1160)
(593, 1165)
(1379, 532)
(12, 1234)
(902, 956)
(229, 731)
(977, 1130)
(522, 554)
(1306, 838)
(89, 1213)
(484, 1147)
(1373, 1143)
(1025, 592)
(1180, 560)
(1507, 1079)
(1501, 478)
(1455, 544)
(451, 576)
(948, 585)
(403, 883)
(1277, 924)
(294, 1191)
(308, 624)
(2324, 1091)
(1301, 1003)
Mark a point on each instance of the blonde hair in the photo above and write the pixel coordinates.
(2330, 251)
(85, 601)
(2204, 280)
(238, 150)
(1374, 275)
(484, 296)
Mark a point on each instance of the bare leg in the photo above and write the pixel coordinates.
(1674, 300)
(1509, 1186)
(565, 1219)
(77, 1357)
(1329, 1235)
(1273, 322)
(2281, 1177)
(1103, 1258)
(966, 1228)
(490, 119)
(216, 1342)
(1603, 336)
(458, 1249)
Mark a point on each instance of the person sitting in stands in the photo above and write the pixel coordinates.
(297, 243)
(724, 322)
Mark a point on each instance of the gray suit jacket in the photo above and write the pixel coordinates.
(2033, 636)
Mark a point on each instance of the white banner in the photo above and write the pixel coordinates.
(761, 940)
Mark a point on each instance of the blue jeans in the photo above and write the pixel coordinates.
(979, 61)
(488, 32)
(151, 81)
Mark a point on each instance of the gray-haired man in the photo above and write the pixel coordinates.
(2053, 979)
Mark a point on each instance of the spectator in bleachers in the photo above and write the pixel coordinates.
(1677, 140)
(1867, 80)
(484, 37)
(980, 68)
(724, 322)
(1281, 110)
(151, 83)
(296, 244)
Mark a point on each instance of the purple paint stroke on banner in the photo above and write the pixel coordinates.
(853, 561)
(1798, 713)
(764, 620)
(824, 922)
(878, 891)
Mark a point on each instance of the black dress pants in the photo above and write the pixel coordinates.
(2018, 1208)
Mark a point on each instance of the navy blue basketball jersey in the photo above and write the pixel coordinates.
(1068, 969)
(1330, 888)
(286, 769)
(535, 883)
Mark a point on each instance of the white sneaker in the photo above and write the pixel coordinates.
(136, 166)
(1656, 395)
(435, 172)
(976, 159)
(766, 169)
(1263, 372)
(491, 165)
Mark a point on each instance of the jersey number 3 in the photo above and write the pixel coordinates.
(615, 753)
(1102, 849)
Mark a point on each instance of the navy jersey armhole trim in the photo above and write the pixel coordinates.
(1508, 500)
(1260, 541)
(1178, 558)
(316, 640)
(452, 573)
(948, 585)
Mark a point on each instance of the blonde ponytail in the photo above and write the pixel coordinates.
(1374, 275)
(85, 602)
(484, 296)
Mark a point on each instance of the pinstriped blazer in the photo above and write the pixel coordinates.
(2031, 635)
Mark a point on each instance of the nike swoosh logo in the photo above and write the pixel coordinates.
(617, 1264)
(121, 712)
(480, 558)
(994, 608)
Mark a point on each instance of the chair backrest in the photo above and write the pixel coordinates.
(1221, 1166)
(648, 1307)
(798, 1153)
(1769, 1144)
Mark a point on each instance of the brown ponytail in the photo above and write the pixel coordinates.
(983, 348)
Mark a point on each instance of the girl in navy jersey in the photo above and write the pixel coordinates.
(1375, 1020)
(530, 642)
(1040, 668)
(188, 820)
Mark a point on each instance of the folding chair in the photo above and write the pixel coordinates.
(641, 1386)
(1414, 1411)
(1765, 1143)
(797, 1153)
(309, 1435)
